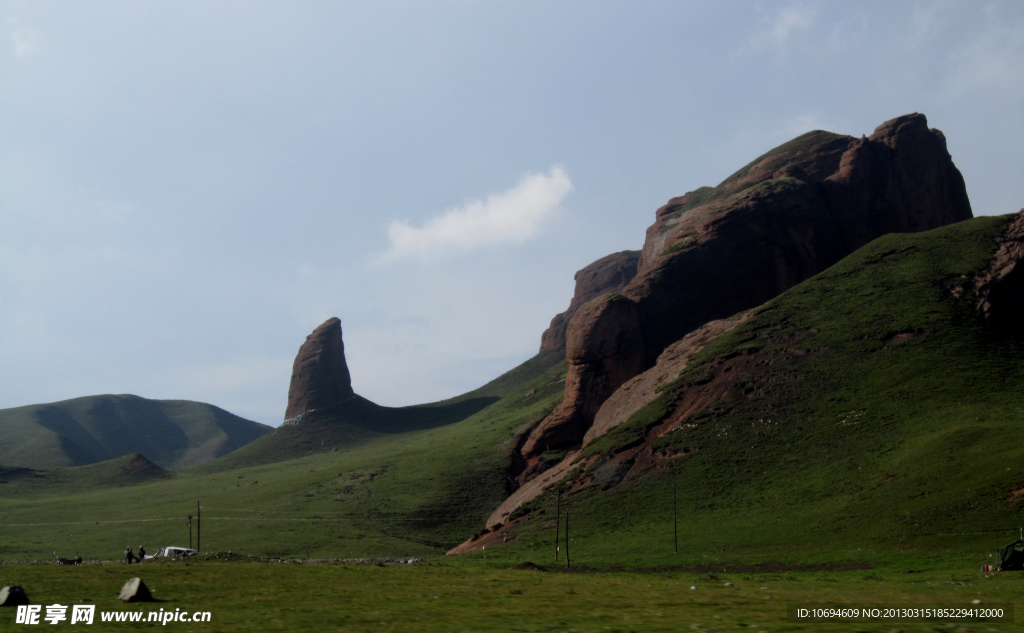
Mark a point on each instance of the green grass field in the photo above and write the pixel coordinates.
(433, 596)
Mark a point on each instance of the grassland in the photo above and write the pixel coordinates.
(402, 493)
(433, 596)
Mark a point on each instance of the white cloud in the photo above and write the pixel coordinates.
(789, 20)
(510, 217)
(23, 38)
(777, 30)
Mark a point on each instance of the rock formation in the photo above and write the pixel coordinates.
(320, 377)
(1000, 288)
(608, 274)
(135, 591)
(13, 596)
(717, 251)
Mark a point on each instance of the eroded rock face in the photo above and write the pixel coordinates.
(785, 217)
(606, 275)
(320, 375)
(1000, 288)
(604, 350)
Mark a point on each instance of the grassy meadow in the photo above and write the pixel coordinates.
(435, 596)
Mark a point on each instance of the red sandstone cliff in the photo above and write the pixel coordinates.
(717, 251)
(608, 274)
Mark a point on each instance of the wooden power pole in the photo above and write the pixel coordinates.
(558, 519)
(199, 527)
(675, 518)
(567, 565)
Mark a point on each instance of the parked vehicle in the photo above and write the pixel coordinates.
(173, 552)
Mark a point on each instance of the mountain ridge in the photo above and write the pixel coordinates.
(90, 429)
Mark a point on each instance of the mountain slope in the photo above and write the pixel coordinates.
(786, 216)
(413, 491)
(872, 403)
(356, 421)
(171, 433)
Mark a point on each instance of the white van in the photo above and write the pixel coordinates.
(175, 551)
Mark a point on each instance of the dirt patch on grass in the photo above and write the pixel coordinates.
(1016, 495)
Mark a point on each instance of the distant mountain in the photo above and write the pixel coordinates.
(80, 431)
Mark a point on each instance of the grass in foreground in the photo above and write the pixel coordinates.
(432, 596)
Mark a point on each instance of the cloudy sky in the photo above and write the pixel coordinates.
(188, 188)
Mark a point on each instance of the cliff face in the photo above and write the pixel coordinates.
(1000, 288)
(320, 377)
(717, 251)
(608, 274)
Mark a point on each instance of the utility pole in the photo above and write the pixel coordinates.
(558, 519)
(567, 565)
(675, 517)
(190, 531)
(199, 527)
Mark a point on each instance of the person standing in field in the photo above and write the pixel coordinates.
(128, 556)
(142, 554)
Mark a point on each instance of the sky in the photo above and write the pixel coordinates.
(187, 189)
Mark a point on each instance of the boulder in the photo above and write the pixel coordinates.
(717, 251)
(320, 377)
(135, 591)
(13, 596)
(608, 274)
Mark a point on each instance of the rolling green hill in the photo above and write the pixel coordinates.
(171, 433)
(870, 408)
(867, 416)
(416, 490)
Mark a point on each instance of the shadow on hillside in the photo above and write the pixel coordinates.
(347, 425)
(367, 415)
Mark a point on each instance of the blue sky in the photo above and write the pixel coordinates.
(188, 188)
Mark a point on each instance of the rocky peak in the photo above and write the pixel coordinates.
(320, 377)
(717, 251)
(608, 274)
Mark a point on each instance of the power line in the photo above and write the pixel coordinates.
(92, 522)
(357, 517)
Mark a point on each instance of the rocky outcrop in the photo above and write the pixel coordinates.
(639, 391)
(606, 275)
(1000, 287)
(320, 377)
(718, 251)
(604, 350)
(629, 398)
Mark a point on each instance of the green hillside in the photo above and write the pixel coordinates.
(171, 433)
(866, 417)
(866, 412)
(359, 421)
(397, 491)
